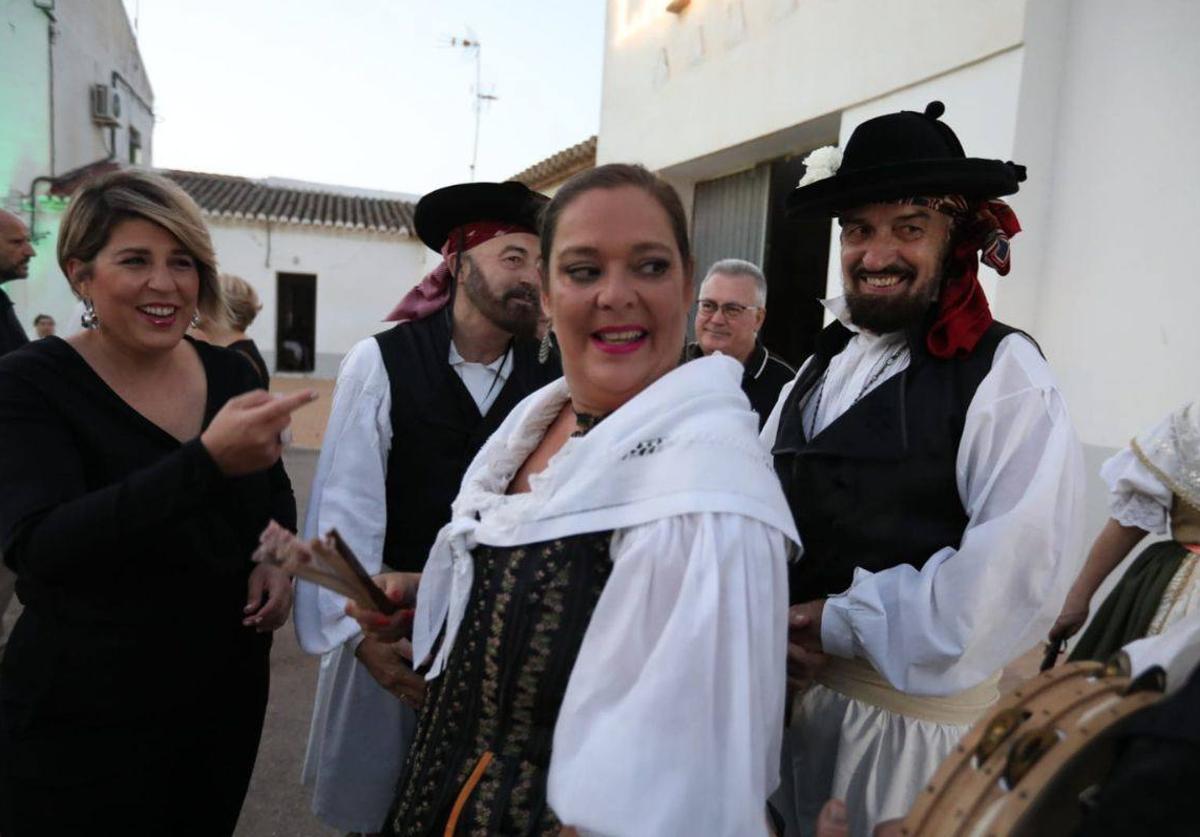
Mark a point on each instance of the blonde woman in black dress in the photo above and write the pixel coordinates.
(136, 469)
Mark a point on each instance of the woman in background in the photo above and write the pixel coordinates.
(137, 468)
(228, 327)
(1154, 487)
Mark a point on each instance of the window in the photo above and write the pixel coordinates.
(135, 146)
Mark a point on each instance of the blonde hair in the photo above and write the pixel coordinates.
(241, 300)
(99, 205)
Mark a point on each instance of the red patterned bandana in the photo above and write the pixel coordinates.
(432, 293)
(981, 230)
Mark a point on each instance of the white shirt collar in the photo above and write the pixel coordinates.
(837, 306)
(457, 359)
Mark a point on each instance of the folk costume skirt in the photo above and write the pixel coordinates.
(1160, 587)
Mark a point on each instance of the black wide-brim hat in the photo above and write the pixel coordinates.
(444, 210)
(899, 155)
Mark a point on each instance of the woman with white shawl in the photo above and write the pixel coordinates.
(1154, 487)
(603, 619)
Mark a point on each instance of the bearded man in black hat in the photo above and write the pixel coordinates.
(932, 469)
(411, 408)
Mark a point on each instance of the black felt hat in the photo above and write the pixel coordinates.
(445, 209)
(900, 155)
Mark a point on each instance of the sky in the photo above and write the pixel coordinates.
(368, 93)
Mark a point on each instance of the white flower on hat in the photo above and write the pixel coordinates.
(820, 164)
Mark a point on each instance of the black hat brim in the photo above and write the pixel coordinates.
(972, 177)
(444, 210)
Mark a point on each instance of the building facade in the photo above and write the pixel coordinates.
(547, 175)
(1099, 99)
(328, 262)
(75, 99)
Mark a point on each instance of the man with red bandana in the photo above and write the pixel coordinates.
(411, 408)
(931, 467)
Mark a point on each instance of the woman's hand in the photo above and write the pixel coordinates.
(246, 435)
(401, 588)
(390, 663)
(1073, 616)
(268, 598)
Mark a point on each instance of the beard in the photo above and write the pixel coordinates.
(884, 314)
(517, 320)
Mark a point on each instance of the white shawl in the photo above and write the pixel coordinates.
(688, 443)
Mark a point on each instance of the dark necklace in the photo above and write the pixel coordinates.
(875, 375)
(584, 422)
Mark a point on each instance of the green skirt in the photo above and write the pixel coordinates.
(1129, 609)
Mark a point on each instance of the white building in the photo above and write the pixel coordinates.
(74, 99)
(1099, 98)
(328, 262)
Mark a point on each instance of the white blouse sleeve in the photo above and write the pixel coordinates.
(673, 714)
(349, 490)
(1136, 496)
(969, 611)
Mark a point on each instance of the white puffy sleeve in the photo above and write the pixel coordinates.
(1136, 496)
(349, 490)
(673, 713)
(969, 611)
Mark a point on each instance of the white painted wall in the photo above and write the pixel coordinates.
(680, 87)
(91, 40)
(360, 278)
(1114, 117)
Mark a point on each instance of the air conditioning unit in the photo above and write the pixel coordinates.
(106, 105)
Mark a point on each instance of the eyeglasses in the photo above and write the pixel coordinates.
(731, 310)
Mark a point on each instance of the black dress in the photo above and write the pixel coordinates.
(131, 697)
(481, 754)
(250, 350)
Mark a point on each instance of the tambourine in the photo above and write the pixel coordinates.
(1023, 769)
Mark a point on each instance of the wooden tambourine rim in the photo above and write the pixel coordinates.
(1051, 699)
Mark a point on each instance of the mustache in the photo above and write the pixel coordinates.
(523, 291)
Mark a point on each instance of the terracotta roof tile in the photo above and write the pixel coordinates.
(560, 166)
(227, 196)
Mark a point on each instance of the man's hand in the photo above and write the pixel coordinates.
(390, 663)
(805, 659)
(832, 821)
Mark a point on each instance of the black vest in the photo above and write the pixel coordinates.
(877, 487)
(437, 429)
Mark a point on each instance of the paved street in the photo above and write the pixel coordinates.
(277, 805)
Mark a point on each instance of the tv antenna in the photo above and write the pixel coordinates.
(472, 45)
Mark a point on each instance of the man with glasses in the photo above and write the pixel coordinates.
(729, 314)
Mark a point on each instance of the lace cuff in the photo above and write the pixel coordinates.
(1137, 497)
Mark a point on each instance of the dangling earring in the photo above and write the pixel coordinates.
(88, 318)
(196, 319)
(545, 347)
